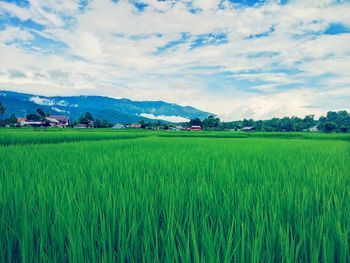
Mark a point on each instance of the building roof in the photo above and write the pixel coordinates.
(248, 128)
(32, 122)
(52, 120)
(80, 125)
(21, 119)
(60, 118)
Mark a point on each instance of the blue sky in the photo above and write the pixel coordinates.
(238, 59)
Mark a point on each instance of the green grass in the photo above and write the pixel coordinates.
(93, 196)
(29, 136)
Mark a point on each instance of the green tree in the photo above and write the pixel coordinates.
(2, 109)
(287, 124)
(89, 116)
(107, 124)
(195, 122)
(248, 123)
(330, 126)
(98, 123)
(41, 113)
(102, 123)
(344, 128)
(33, 117)
(143, 124)
(332, 116)
(304, 124)
(12, 121)
(211, 123)
(86, 118)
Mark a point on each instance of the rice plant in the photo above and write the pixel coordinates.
(173, 199)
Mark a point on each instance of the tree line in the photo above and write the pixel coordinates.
(89, 120)
(332, 122)
(40, 115)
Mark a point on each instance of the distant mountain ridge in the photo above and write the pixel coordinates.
(115, 110)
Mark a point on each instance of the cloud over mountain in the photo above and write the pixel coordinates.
(235, 58)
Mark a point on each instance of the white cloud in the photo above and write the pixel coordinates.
(14, 11)
(164, 117)
(15, 33)
(59, 110)
(101, 55)
(42, 101)
(206, 4)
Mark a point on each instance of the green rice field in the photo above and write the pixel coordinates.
(142, 196)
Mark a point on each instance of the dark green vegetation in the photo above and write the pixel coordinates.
(114, 110)
(93, 196)
(332, 122)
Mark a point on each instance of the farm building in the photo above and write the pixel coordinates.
(63, 121)
(118, 126)
(196, 128)
(248, 129)
(80, 126)
(313, 129)
(32, 123)
(53, 122)
(21, 121)
(135, 125)
(180, 128)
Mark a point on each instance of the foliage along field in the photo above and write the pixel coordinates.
(88, 196)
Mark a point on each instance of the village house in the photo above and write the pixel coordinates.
(118, 126)
(180, 128)
(63, 121)
(52, 122)
(24, 122)
(135, 125)
(21, 121)
(31, 123)
(313, 129)
(196, 128)
(248, 129)
(80, 126)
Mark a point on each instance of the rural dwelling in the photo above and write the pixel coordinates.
(80, 126)
(63, 121)
(118, 126)
(313, 129)
(248, 129)
(91, 124)
(135, 125)
(180, 128)
(53, 122)
(21, 121)
(196, 128)
(32, 123)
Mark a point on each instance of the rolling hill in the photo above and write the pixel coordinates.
(115, 110)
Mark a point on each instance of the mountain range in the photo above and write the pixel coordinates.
(115, 110)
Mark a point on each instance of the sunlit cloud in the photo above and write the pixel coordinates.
(238, 59)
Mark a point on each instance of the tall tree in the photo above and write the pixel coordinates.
(33, 117)
(41, 113)
(195, 122)
(2, 109)
(211, 123)
(12, 121)
(86, 118)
